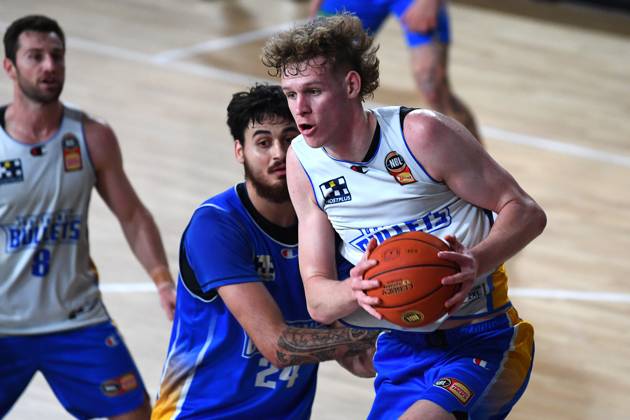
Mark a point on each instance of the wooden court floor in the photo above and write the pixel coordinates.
(550, 86)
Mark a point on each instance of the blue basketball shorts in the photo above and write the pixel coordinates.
(89, 369)
(373, 13)
(480, 369)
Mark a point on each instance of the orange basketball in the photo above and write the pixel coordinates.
(410, 272)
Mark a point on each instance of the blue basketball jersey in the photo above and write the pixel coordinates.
(212, 369)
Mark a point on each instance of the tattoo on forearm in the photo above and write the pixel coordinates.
(307, 345)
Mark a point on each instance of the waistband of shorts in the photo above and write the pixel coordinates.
(441, 338)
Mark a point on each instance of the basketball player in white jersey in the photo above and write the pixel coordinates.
(371, 174)
(52, 317)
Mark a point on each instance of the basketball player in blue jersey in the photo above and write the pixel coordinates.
(52, 317)
(243, 344)
(371, 174)
(426, 28)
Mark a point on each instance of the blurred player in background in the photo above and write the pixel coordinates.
(243, 344)
(52, 317)
(426, 28)
(367, 175)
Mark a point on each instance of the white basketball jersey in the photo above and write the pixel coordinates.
(47, 280)
(391, 194)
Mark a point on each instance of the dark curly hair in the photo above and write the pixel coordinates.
(35, 23)
(339, 39)
(260, 102)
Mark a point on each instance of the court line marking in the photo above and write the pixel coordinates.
(535, 293)
(142, 58)
(498, 134)
(554, 146)
(563, 294)
(217, 44)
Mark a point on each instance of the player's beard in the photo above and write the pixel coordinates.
(276, 193)
(36, 95)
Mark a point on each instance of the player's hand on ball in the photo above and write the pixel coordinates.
(467, 271)
(359, 285)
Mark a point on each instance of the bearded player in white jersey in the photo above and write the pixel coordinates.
(52, 317)
(371, 174)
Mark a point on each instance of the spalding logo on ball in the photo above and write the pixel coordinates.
(411, 317)
(410, 272)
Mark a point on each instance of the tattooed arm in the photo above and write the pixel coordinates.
(349, 346)
(259, 314)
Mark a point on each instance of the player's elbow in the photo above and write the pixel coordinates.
(318, 314)
(275, 347)
(273, 355)
(318, 306)
(537, 218)
(271, 351)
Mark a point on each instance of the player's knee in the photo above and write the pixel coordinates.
(434, 92)
(434, 95)
(432, 85)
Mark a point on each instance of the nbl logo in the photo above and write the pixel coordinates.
(397, 167)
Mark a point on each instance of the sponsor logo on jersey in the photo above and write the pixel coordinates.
(37, 151)
(43, 229)
(397, 167)
(359, 168)
(429, 222)
(71, 153)
(480, 363)
(111, 341)
(265, 268)
(478, 292)
(289, 253)
(455, 387)
(120, 385)
(11, 171)
(335, 191)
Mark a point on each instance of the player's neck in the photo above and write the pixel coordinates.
(281, 214)
(355, 141)
(32, 122)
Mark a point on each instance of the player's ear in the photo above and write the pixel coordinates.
(238, 151)
(353, 84)
(9, 68)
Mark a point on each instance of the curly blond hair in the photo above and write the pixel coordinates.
(339, 39)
